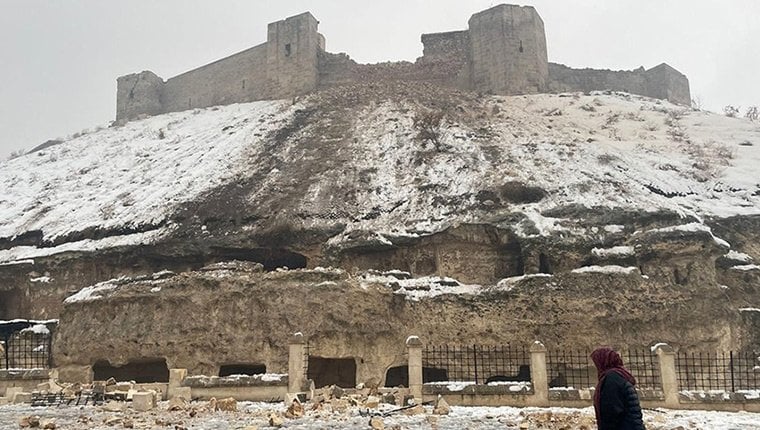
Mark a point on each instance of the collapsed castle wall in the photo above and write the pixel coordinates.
(662, 82)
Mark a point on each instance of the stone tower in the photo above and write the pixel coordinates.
(138, 94)
(292, 46)
(508, 50)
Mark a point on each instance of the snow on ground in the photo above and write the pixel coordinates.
(609, 269)
(130, 176)
(599, 150)
(482, 418)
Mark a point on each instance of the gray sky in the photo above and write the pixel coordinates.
(60, 59)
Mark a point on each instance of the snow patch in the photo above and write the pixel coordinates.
(615, 251)
(609, 269)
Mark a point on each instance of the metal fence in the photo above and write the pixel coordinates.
(570, 368)
(726, 371)
(645, 367)
(26, 345)
(574, 368)
(478, 363)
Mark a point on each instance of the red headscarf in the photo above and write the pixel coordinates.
(606, 361)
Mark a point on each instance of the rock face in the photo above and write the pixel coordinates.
(237, 313)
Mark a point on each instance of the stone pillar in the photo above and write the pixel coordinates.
(414, 348)
(176, 378)
(667, 360)
(538, 375)
(296, 363)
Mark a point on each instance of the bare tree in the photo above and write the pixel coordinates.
(731, 111)
(753, 113)
(428, 126)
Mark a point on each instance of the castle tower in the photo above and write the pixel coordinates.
(292, 46)
(508, 50)
(138, 94)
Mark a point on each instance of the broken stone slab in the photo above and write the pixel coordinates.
(227, 405)
(181, 392)
(376, 423)
(442, 407)
(144, 401)
(114, 406)
(22, 397)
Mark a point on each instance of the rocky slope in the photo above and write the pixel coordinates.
(365, 177)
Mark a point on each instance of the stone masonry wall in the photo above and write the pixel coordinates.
(663, 81)
(503, 52)
(284, 66)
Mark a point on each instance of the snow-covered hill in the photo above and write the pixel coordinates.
(345, 162)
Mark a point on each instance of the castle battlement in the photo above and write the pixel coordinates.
(503, 51)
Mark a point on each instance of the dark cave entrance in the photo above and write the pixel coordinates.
(141, 371)
(332, 371)
(242, 369)
(399, 375)
(270, 258)
(543, 264)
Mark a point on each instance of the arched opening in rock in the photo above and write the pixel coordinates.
(399, 375)
(522, 375)
(543, 264)
(512, 264)
(141, 371)
(242, 369)
(332, 371)
(270, 258)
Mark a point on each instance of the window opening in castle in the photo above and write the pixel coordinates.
(243, 83)
(521, 47)
(287, 49)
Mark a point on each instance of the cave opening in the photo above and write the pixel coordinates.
(242, 369)
(543, 264)
(325, 371)
(141, 371)
(270, 258)
(399, 376)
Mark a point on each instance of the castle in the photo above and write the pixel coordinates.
(502, 52)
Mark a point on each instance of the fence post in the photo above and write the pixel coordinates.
(414, 349)
(667, 360)
(296, 360)
(538, 375)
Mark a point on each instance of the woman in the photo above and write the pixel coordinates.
(615, 400)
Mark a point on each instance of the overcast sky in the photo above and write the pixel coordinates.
(60, 58)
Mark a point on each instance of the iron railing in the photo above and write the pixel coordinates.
(726, 371)
(26, 345)
(570, 368)
(477, 363)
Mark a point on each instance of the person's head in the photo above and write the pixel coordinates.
(605, 359)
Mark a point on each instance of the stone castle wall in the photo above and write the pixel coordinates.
(502, 52)
(662, 82)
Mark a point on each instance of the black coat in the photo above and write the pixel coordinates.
(619, 407)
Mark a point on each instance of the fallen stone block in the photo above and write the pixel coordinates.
(376, 423)
(114, 406)
(227, 405)
(144, 401)
(22, 397)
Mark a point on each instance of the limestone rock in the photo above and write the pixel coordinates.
(128, 423)
(295, 410)
(442, 407)
(275, 420)
(48, 424)
(112, 420)
(415, 410)
(372, 402)
(227, 405)
(114, 406)
(144, 401)
(177, 404)
(376, 423)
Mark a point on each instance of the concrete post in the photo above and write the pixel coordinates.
(176, 378)
(296, 363)
(667, 360)
(538, 374)
(414, 349)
